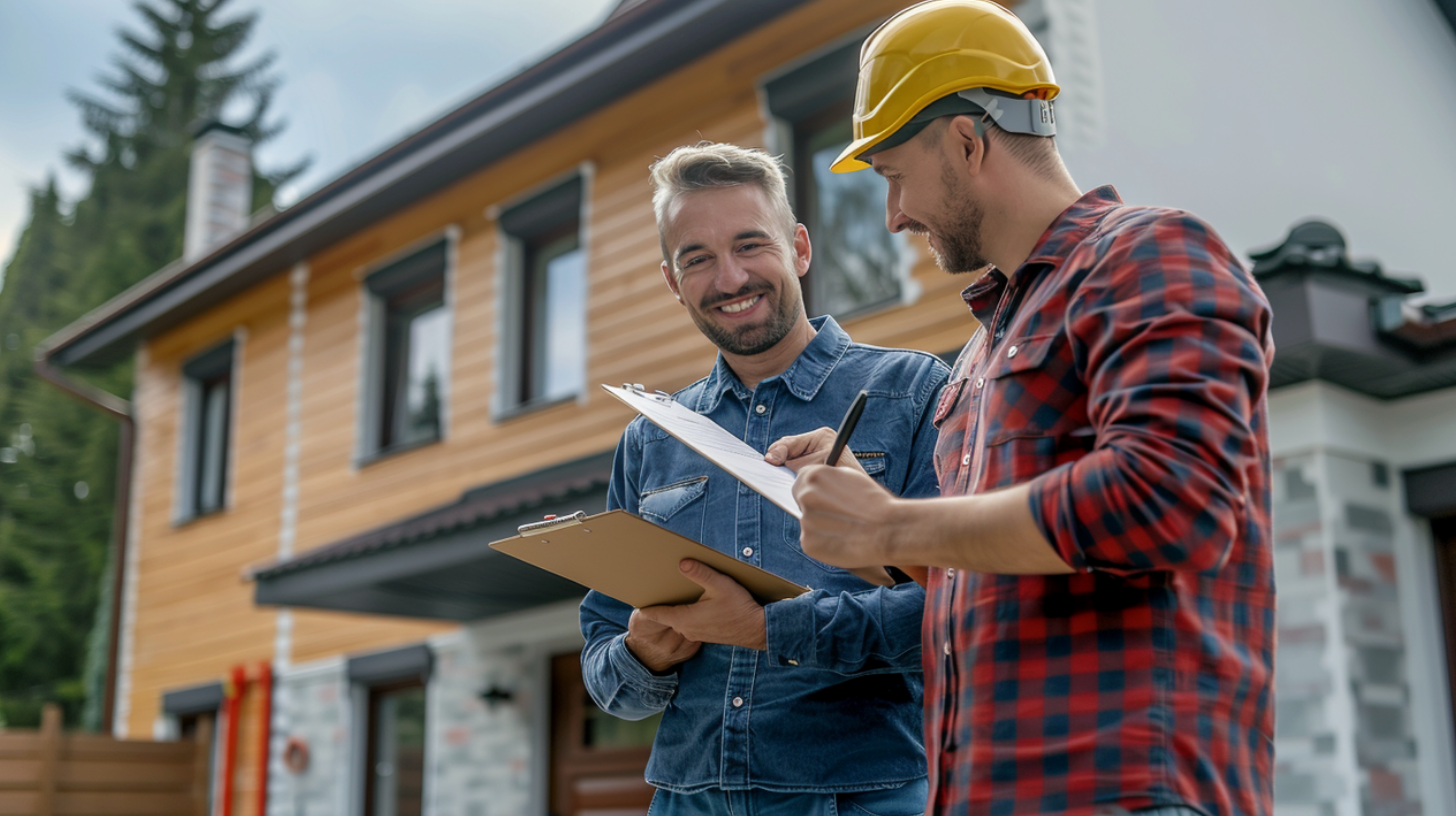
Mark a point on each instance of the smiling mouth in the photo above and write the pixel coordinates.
(741, 306)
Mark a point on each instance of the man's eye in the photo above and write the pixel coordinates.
(692, 262)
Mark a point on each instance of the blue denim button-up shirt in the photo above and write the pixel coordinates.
(834, 704)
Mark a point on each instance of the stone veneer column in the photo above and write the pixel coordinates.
(1345, 744)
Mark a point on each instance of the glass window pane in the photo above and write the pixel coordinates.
(556, 320)
(212, 445)
(564, 354)
(398, 774)
(425, 367)
(858, 264)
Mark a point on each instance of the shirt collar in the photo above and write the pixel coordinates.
(1065, 232)
(802, 378)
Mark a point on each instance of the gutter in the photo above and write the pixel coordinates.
(120, 410)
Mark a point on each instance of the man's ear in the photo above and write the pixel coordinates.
(803, 250)
(968, 142)
(671, 281)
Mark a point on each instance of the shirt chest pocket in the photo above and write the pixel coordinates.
(679, 506)
(1035, 418)
(1033, 390)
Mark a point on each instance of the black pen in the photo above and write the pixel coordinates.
(851, 419)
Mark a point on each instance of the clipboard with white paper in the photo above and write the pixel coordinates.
(773, 482)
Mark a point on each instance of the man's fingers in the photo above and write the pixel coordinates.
(800, 448)
(704, 575)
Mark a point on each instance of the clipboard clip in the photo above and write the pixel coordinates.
(551, 523)
(659, 395)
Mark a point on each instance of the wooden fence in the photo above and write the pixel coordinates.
(51, 773)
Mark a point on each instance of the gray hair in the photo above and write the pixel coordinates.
(714, 165)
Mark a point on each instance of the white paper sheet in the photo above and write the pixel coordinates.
(773, 482)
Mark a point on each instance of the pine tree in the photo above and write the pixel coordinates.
(57, 456)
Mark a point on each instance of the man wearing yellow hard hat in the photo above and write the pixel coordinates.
(1099, 621)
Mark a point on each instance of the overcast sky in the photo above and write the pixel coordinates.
(357, 75)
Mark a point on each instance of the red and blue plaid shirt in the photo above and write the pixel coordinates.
(1121, 371)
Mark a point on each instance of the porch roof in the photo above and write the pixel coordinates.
(438, 564)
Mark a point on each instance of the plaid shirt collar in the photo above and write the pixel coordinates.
(1065, 232)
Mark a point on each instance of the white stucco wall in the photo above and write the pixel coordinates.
(1255, 115)
(1329, 425)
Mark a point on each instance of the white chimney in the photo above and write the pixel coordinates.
(219, 189)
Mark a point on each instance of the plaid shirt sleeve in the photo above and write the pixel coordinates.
(1174, 335)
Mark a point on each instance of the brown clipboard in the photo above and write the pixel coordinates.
(633, 560)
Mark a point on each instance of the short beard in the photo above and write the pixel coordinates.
(757, 339)
(960, 248)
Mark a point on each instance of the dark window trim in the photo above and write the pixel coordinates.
(193, 700)
(371, 732)
(1443, 532)
(539, 217)
(1430, 492)
(414, 279)
(199, 373)
(802, 99)
(416, 662)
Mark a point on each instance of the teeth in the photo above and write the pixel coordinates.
(735, 308)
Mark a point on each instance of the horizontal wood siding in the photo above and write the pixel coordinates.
(194, 614)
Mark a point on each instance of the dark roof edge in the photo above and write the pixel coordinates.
(475, 507)
(624, 53)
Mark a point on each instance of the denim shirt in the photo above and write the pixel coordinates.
(834, 703)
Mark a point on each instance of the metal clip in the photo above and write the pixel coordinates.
(551, 523)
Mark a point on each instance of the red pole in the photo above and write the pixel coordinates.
(265, 689)
(230, 746)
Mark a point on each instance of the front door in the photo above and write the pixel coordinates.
(597, 760)
(1444, 530)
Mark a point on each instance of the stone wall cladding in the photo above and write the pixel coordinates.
(480, 752)
(313, 706)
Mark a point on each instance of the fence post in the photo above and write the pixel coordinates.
(202, 766)
(50, 755)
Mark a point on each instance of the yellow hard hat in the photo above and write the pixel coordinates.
(941, 48)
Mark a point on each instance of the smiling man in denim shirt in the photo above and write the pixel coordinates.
(807, 706)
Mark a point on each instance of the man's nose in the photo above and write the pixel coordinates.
(895, 220)
(731, 275)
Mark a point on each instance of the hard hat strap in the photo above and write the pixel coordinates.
(1034, 117)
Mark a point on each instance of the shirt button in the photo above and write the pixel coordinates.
(760, 409)
(947, 649)
(747, 552)
(950, 573)
(966, 460)
(737, 702)
(980, 381)
(793, 662)
(1011, 352)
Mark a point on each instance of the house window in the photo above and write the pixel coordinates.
(858, 265)
(393, 686)
(207, 384)
(410, 340)
(546, 299)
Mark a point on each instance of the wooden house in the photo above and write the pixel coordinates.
(337, 407)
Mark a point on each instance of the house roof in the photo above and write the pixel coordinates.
(640, 41)
(1345, 321)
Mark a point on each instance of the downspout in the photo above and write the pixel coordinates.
(237, 682)
(265, 689)
(120, 410)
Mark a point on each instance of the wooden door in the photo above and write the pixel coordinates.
(1444, 530)
(597, 760)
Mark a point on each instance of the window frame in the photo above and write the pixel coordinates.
(199, 373)
(799, 100)
(533, 221)
(391, 279)
(369, 676)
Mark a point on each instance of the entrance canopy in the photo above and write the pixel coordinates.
(438, 564)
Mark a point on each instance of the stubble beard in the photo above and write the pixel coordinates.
(960, 249)
(751, 340)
